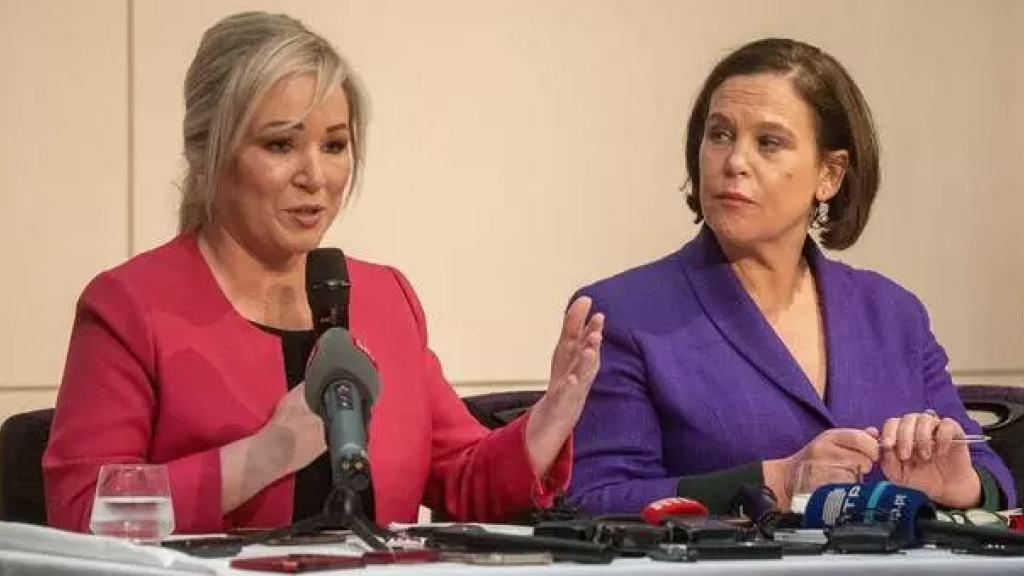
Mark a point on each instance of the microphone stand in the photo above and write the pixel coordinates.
(343, 507)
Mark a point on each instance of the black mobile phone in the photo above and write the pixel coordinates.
(504, 558)
(717, 550)
(797, 548)
(726, 550)
(688, 529)
(295, 563)
(303, 539)
(207, 546)
(402, 556)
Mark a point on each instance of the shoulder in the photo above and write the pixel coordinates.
(385, 293)
(647, 282)
(381, 283)
(650, 296)
(872, 291)
(166, 270)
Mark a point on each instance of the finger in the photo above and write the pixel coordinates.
(864, 466)
(924, 435)
(588, 366)
(567, 353)
(575, 319)
(595, 324)
(873, 432)
(857, 441)
(594, 332)
(905, 436)
(945, 432)
(855, 460)
(889, 430)
(892, 468)
(569, 340)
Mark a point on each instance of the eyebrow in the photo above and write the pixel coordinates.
(775, 126)
(718, 117)
(277, 125)
(766, 125)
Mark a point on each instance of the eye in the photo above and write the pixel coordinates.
(718, 134)
(280, 146)
(336, 146)
(770, 144)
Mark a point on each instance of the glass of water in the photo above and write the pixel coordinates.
(810, 475)
(133, 501)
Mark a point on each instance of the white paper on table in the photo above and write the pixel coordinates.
(34, 539)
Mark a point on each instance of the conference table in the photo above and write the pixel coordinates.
(923, 561)
(31, 550)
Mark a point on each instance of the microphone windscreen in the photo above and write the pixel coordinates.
(873, 502)
(323, 265)
(656, 511)
(337, 358)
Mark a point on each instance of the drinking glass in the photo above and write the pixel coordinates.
(812, 474)
(133, 501)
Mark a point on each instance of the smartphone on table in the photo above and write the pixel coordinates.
(296, 563)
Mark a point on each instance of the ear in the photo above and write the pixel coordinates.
(833, 169)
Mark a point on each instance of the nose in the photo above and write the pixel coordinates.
(310, 176)
(736, 160)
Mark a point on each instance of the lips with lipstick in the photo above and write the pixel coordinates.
(733, 198)
(307, 215)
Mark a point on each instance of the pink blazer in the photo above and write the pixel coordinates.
(161, 369)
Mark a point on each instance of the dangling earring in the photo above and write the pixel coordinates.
(821, 214)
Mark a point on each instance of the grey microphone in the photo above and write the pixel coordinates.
(341, 386)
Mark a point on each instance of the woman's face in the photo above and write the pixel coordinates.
(290, 174)
(760, 167)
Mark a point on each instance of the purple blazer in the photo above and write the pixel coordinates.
(693, 379)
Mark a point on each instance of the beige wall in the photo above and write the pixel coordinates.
(517, 151)
(64, 162)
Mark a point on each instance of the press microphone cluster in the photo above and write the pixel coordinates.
(908, 513)
(341, 381)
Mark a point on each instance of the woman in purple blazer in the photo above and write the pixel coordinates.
(748, 351)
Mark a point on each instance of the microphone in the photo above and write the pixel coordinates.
(655, 512)
(341, 386)
(341, 381)
(909, 513)
(327, 288)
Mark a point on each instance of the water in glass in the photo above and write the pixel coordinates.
(133, 502)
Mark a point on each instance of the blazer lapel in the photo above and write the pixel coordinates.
(839, 318)
(734, 313)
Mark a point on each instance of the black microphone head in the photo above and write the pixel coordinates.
(327, 288)
(337, 358)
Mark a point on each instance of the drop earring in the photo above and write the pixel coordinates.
(821, 214)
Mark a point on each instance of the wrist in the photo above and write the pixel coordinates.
(965, 494)
(271, 452)
(776, 477)
(247, 465)
(545, 434)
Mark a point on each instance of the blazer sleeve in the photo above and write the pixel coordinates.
(105, 413)
(477, 474)
(619, 465)
(942, 396)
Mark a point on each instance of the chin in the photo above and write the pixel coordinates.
(299, 243)
(731, 230)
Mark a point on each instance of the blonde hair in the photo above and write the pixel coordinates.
(239, 59)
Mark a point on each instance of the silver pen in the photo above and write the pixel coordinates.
(966, 439)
